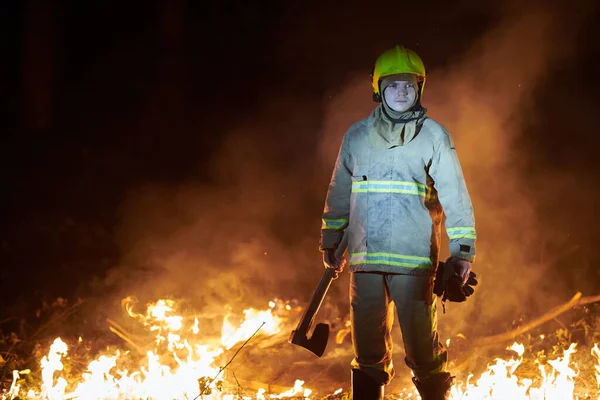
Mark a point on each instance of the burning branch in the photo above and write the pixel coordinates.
(229, 362)
(115, 328)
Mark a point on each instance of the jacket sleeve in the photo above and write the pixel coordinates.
(452, 192)
(337, 203)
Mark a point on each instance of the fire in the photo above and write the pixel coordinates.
(50, 364)
(179, 366)
(294, 392)
(501, 381)
(180, 363)
(254, 319)
(596, 354)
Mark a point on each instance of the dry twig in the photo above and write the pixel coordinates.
(230, 361)
(115, 328)
(556, 311)
(59, 317)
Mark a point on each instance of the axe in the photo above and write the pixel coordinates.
(318, 341)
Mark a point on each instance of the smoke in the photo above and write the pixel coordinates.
(249, 233)
(486, 97)
(241, 237)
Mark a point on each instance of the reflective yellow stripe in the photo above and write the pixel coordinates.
(388, 187)
(336, 224)
(381, 190)
(462, 236)
(392, 263)
(461, 228)
(394, 183)
(402, 187)
(462, 232)
(364, 253)
(398, 260)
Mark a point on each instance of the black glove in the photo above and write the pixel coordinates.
(330, 260)
(448, 284)
(456, 291)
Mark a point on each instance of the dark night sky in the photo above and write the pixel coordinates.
(102, 98)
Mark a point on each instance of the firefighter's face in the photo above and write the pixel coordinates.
(400, 96)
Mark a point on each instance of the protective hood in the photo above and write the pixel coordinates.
(391, 129)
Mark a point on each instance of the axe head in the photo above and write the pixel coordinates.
(316, 343)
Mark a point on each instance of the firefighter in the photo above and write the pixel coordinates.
(396, 175)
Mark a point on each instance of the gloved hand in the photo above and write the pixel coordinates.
(330, 260)
(458, 292)
(450, 283)
(460, 267)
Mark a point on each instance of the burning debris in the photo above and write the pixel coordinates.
(178, 363)
(174, 358)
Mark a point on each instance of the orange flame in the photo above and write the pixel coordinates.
(180, 366)
(502, 382)
(174, 373)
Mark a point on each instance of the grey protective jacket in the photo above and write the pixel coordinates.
(391, 201)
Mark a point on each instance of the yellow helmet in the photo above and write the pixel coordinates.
(398, 60)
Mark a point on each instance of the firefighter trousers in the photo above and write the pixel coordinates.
(372, 299)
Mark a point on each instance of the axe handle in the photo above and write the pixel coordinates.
(319, 294)
(316, 301)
